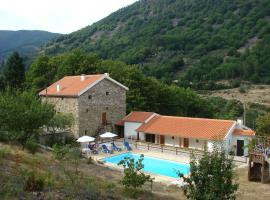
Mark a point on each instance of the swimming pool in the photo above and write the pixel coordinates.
(154, 165)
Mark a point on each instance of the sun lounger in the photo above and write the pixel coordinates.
(92, 149)
(105, 149)
(126, 144)
(115, 148)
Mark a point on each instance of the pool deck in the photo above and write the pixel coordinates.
(182, 158)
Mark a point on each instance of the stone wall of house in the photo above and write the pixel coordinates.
(66, 105)
(105, 97)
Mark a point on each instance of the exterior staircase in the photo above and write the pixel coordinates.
(108, 127)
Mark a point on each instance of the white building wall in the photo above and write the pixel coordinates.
(196, 143)
(246, 139)
(172, 142)
(227, 142)
(130, 130)
(176, 142)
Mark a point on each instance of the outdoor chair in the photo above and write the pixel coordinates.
(116, 148)
(105, 149)
(126, 144)
(92, 149)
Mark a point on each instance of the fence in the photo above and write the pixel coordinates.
(165, 149)
(141, 145)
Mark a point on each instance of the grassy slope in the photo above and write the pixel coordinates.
(257, 94)
(93, 178)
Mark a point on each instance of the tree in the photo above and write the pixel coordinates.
(211, 177)
(60, 121)
(2, 83)
(134, 178)
(14, 71)
(23, 114)
(263, 125)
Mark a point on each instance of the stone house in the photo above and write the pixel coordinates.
(96, 102)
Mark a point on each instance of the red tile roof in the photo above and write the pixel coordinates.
(74, 85)
(187, 127)
(243, 132)
(120, 123)
(138, 116)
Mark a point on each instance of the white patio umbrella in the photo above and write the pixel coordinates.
(108, 135)
(85, 139)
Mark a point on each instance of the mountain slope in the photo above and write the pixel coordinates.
(165, 37)
(25, 42)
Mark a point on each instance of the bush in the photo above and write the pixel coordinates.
(55, 139)
(3, 136)
(133, 178)
(213, 183)
(33, 181)
(90, 160)
(60, 152)
(242, 89)
(31, 146)
(4, 152)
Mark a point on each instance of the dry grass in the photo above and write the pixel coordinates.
(255, 94)
(251, 190)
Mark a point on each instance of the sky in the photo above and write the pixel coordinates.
(59, 16)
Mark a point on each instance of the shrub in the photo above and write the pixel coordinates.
(4, 152)
(54, 139)
(33, 181)
(133, 178)
(60, 152)
(90, 160)
(31, 146)
(3, 136)
(242, 89)
(213, 183)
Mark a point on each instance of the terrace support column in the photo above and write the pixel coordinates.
(138, 136)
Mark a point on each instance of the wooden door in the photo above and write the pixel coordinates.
(161, 139)
(186, 142)
(240, 148)
(104, 118)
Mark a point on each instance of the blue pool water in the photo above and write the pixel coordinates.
(154, 165)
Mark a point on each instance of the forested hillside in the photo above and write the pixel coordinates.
(145, 93)
(26, 42)
(210, 39)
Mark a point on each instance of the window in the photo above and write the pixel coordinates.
(173, 137)
(85, 132)
(89, 96)
(86, 110)
(107, 93)
(197, 141)
(107, 108)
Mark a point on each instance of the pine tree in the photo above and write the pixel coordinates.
(14, 71)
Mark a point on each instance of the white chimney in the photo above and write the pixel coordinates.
(240, 123)
(106, 74)
(58, 88)
(82, 77)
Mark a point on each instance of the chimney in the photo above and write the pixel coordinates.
(82, 77)
(58, 88)
(107, 74)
